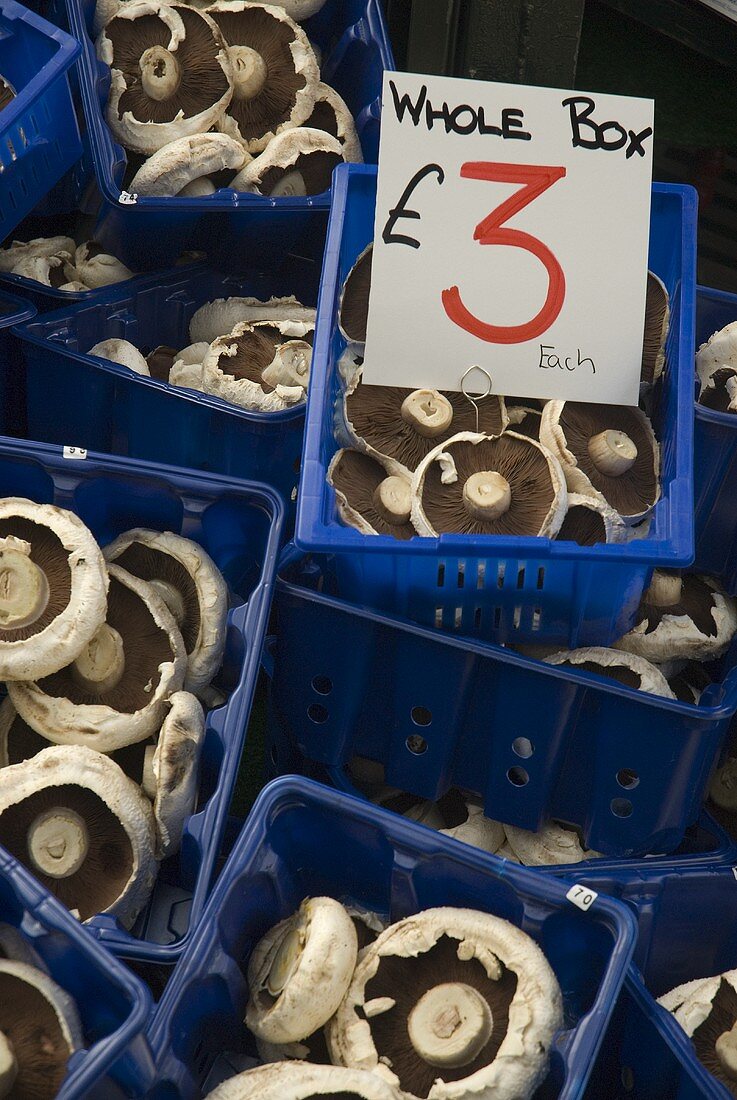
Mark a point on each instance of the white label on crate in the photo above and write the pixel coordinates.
(582, 896)
(511, 234)
(77, 453)
(127, 199)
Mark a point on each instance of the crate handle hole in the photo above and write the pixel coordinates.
(323, 685)
(518, 776)
(621, 807)
(522, 746)
(317, 713)
(416, 744)
(421, 716)
(627, 778)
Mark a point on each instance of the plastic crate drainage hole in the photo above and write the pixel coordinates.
(627, 779)
(421, 716)
(518, 776)
(323, 685)
(621, 807)
(416, 744)
(317, 713)
(522, 746)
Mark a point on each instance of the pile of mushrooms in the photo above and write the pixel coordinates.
(252, 354)
(221, 95)
(422, 462)
(716, 369)
(60, 263)
(706, 1009)
(104, 653)
(445, 1002)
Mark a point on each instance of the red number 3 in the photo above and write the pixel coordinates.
(535, 178)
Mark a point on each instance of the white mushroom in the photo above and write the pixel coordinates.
(626, 668)
(121, 351)
(299, 972)
(719, 351)
(95, 268)
(706, 1009)
(681, 617)
(551, 845)
(187, 367)
(39, 1031)
(115, 692)
(171, 783)
(49, 270)
(83, 828)
(302, 1081)
(192, 587)
(373, 495)
(53, 588)
(302, 9)
(234, 365)
(330, 113)
(454, 814)
(40, 247)
(590, 520)
(295, 163)
(185, 165)
(219, 317)
(16, 946)
(484, 1024)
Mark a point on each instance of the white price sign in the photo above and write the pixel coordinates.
(511, 233)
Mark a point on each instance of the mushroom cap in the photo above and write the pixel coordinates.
(41, 1023)
(331, 114)
(121, 351)
(72, 571)
(720, 350)
(719, 391)
(453, 814)
(567, 429)
(373, 495)
(723, 786)
(118, 869)
(190, 77)
(303, 1081)
(657, 321)
(626, 668)
(551, 845)
(71, 708)
(706, 1009)
(187, 367)
(302, 9)
(688, 681)
(219, 317)
(435, 954)
(160, 361)
(295, 162)
(354, 298)
(16, 947)
(275, 71)
(406, 425)
(97, 268)
(169, 561)
(682, 618)
(590, 520)
(176, 770)
(313, 951)
(235, 364)
(179, 163)
(38, 247)
(53, 271)
(537, 498)
(524, 419)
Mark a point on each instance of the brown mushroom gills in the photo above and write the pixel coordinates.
(108, 862)
(384, 502)
(409, 982)
(23, 743)
(34, 1035)
(7, 93)
(673, 595)
(721, 393)
(309, 174)
(255, 350)
(355, 301)
(324, 118)
(621, 673)
(160, 361)
(715, 1052)
(656, 328)
(173, 583)
(582, 525)
(50, 558)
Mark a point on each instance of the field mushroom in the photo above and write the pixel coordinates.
(590, 520)
(38, 247)
(303, 1081)
(406, 425)
(626, 668)
(220, 316)
(489, 485)
(723, 786)
(299, 972)
(453, 814)
(95, 267)
(331, 114)
(373, 496)
(122, 352)
(160, 361)
(186, 370)
(681, 617)
(657, 320)
(689, 682)
(171, 781)
(237, 366)
(184, 166)
(450, 1002)
(719, 352)
(608, 448)
(53, 271)
(706, 1009)
(275, 72)
(115, 692)
(53, 588)
(83, 827)
(295, 163)
(191, 586)
(39, 1031)
(302, 9)
(524, 420)
(354, 298)
(170, 76)
(719, 392)
(553, 844)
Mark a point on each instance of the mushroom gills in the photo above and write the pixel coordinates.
(625, 668)
(354, 299)
(371, 497)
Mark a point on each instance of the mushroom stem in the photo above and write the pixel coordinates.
(58, 841)
(249, 71)
(393, 500)
(664, 590)
(726, 1052)
(160, 73)
(450, 1025)
(101, 663)
(24, 589)
(148, 776)
(285, 962)
(290, 365)
(428, 412)
(8, 1066)
(487, 495)
(291, 185)
(612, 452)
(172, 597)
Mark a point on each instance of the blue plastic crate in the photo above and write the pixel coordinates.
(534, 741)
(13, 421)
(715, 459)
(118, 411)
(39, 135)
(114, 1006)
(303, 839)
(239, 524)
(504, 589)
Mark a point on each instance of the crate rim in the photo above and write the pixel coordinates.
(313, 534)
(68, 50)
(23, 310)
